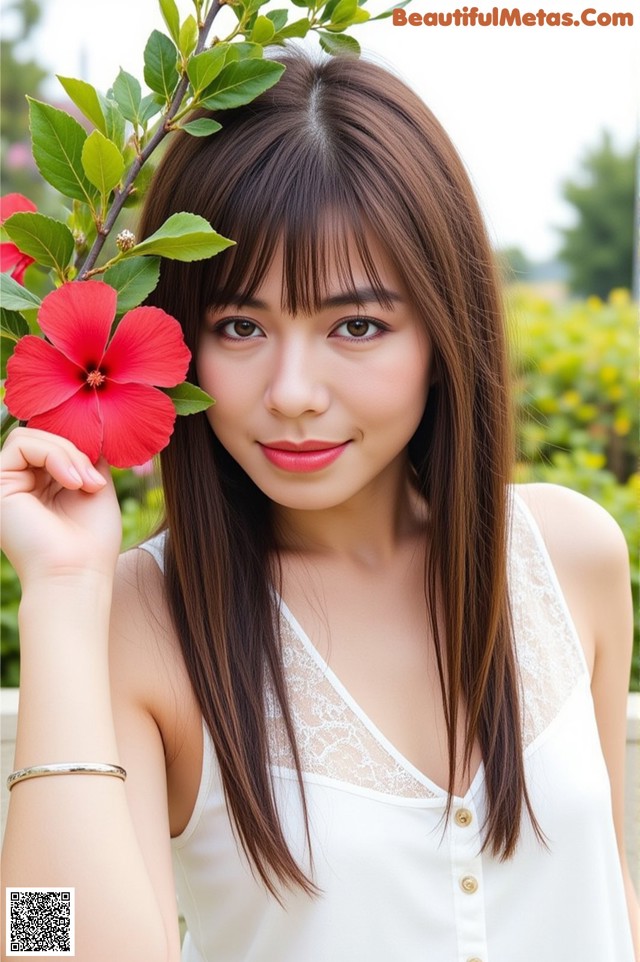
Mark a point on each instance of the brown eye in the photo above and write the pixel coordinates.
(244, 328)
(359, 328)
(240, 329)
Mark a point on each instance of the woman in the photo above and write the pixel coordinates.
(432, 767)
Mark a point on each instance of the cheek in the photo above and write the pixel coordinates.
(230, 390)
(225, 378)
(207, 370)
(398, 391)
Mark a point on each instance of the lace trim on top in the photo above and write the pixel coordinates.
(332, 740)
(337, 743)
(549, 653)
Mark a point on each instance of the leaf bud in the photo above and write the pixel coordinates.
(125, 240)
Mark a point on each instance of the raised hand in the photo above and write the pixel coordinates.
(60, 514)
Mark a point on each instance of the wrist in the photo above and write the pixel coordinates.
(69, 592)
(68, 580)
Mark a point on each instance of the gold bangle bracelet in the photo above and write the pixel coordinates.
(65, 768)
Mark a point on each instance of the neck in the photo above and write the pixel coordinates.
(367, 529)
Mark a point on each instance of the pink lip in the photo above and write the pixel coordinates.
(304, 457)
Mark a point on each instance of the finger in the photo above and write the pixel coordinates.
(27, 449)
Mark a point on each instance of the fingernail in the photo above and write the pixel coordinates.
(73, 474)
(95, 476)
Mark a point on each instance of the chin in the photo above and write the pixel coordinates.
(306, 500)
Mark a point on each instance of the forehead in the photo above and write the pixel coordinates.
(341, 267)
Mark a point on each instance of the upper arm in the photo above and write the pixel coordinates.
(136, 674)
(590, 556)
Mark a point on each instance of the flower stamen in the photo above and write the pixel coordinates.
(95, 378)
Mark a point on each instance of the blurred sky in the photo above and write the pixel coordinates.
(522, 104)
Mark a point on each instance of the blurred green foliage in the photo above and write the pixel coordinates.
(575, 385)
(19, 73)
(576, 393)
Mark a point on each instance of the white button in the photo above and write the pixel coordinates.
(469, 884)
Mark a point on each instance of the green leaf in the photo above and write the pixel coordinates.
(240, 83)
(150, 105)
(127, 93)
(134, 279)
(188, 37)
(243, 51)
(85, 97)
(7, 347)
(47, 240)
(339, 43)
(278, 18)
(12, 325)
(361, 16)
(8, 422)
(102, 162)
(114, 121)
(263, 30)
(82, 221)
(58, 140)
(160, 59)
(205, 67)
(328, 10)
(183, 237)
(189, 399)
(171, 17)
(201, 127)
(299, 28)
(251, 7)
(344, 11)
(14, 296)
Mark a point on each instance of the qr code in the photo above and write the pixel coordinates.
(41, 922)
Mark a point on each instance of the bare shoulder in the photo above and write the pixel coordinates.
(139, 618)
(590, 556)
(575, 528)
(145, 656)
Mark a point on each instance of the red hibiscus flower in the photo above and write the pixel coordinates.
(97, 394)
(11, 257)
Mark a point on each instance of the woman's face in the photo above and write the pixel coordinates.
(318, 408)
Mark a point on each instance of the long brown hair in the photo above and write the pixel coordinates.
(343, 136)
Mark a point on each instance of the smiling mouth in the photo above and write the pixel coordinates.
(304, 457)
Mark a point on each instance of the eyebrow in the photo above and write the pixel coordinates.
(359, 295)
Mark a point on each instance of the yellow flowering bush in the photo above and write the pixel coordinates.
(576, 393)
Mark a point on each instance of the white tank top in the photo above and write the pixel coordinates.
(399, 884)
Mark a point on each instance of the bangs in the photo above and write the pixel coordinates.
(310, 211)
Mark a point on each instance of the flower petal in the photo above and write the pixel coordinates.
(77, 318)
(18, 271)
(147, 348)
(77, 419)
(39, 378)
(14, 204)
(137, 422)
(11, 259)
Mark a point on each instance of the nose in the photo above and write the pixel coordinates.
(297, 384)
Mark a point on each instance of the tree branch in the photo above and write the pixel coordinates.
(163, 130)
